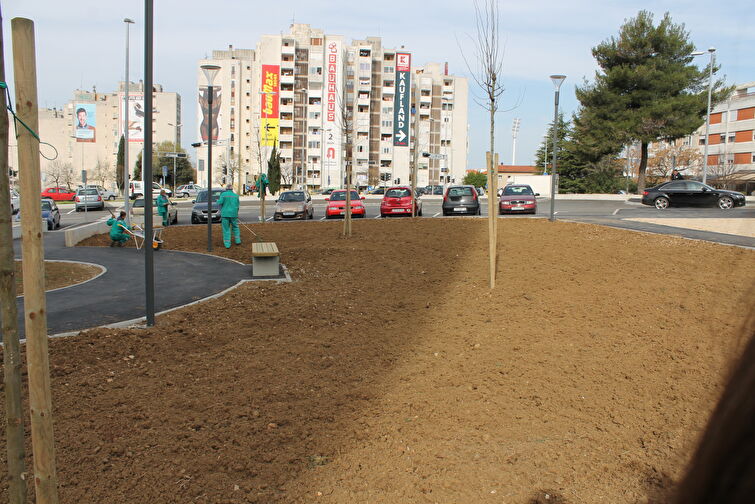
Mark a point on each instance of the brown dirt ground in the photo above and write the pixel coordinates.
(59, 274)
(387, 372)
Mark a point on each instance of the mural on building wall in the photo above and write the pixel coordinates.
(135, 117)
(203, 103)
(270, 96)
(85, 122)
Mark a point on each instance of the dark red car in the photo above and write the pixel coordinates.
(59, 194)
(337, 204)
(519, 198)
(398, 201)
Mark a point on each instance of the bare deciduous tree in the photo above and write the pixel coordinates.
(60, 172)
(101, 172)
(487, 71)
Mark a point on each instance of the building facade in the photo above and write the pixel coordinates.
(84, 134)
(323, 103)
(731, 139)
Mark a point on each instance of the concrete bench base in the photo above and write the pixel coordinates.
(265, 260)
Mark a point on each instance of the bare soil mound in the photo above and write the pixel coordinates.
(59, 274)
(388, 372)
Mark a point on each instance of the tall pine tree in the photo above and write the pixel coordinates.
(647, 89)
(119, 164)
(274, 171)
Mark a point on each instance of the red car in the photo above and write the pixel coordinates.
(518, 199)
(59, 194)
(398, 201)
(337, 204)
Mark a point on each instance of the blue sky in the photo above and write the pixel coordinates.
(82, 44)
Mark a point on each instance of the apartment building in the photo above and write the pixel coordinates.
(84, 134)
(731, 140)
(325, 103)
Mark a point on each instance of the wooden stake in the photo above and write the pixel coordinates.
(35, 312)
(14, 425)
(492, 207)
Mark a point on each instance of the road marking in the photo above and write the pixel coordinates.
(269, 219)
(70, 212)
(616, 211)
(323, 218)
(377, 217)
(437, 214)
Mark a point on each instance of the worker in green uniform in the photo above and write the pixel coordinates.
(228, 202)
(162, 207)
(118, 230)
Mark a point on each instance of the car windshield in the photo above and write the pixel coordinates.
(292, 196)
(460, 191)
(88, 192)
(202, 196)
(46, 206)
(139, 203)
(341, 196)
(397, 193)
(518, 190)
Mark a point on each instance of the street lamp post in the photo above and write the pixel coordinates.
(210, 71)
(175, 151)
(126, 168)
(557, 81)
(712, 52)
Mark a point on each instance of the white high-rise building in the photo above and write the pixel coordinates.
(324, 103)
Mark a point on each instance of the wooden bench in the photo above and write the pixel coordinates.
(265, 259)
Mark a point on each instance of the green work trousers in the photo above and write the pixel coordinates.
(228, 224)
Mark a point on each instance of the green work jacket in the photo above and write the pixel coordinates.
(229, 204)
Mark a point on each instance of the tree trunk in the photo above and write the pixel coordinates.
(492, 207)
(642, 168)
(14, 425)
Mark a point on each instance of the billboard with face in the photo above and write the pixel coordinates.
(135, 117)
(85, 122)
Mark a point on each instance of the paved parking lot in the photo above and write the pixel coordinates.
(616, 213)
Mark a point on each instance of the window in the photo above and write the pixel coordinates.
(315, 41)
(388, 69)
(701, 141)
(386, 150)
(387, 110)
(365, 66)
(364, 53)
(386, 124)
(313, 144)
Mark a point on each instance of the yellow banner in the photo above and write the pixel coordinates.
(269, 131)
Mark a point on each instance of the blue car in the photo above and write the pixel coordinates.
(51, 214)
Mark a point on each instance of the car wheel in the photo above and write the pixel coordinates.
(185, 195)
(661, 203)
(445, 214)
(194, 220)
(49, 226)
(725, 203)
(175, 219)
(111, 197)
(479, 211)
(419, 214)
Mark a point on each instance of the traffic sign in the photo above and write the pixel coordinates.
(165, 171)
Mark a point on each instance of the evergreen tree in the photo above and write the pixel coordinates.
(564, 131)
(119, 164)
(184, 169)
(646, 89)
(274, 171)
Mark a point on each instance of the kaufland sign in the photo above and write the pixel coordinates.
(401, 105)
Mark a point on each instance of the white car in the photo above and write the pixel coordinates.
(188, 190)
(136, 189)
(106, 195)
(15, 202)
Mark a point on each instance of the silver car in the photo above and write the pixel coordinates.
(188, 190)
(294, 205)
(89, 199)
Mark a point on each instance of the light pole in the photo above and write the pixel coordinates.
(712, 52)
(175, 151)
(210, 71)
(514, 133)
(126, 168)
(557, 81)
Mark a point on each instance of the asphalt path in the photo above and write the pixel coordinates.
(118, 295)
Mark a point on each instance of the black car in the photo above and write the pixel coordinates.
(692, 193)
(199, 211)
(461, 199)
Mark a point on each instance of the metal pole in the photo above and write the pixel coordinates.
(209, 167)
(149, 270)
(554, 169)
(712, 52)
(35, 304)
(126, 168)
